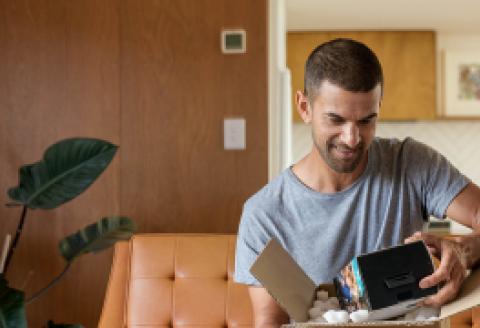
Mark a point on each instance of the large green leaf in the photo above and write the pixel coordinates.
(96, 237)
(51, 324)
(12, 308)
(67, 169)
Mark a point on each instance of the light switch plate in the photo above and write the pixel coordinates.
(234, 134)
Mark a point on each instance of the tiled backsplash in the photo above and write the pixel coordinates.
(459, 141)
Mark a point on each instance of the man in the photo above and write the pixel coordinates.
(354, 193)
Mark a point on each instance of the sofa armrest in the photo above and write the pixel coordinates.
(114, 307)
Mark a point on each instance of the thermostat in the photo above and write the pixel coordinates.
(233, 41)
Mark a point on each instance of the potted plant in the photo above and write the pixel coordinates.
(67, 169)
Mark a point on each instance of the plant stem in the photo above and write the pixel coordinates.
(15, 240)
(50, 285)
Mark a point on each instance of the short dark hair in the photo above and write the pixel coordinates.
(346, 63)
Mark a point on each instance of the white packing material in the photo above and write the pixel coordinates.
(336, 316)
(322, 295)
(327, 309)
(422, 314)
(359, 316)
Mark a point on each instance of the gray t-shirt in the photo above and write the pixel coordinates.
(403, 184)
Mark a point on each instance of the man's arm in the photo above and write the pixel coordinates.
(266, 312)
(465, 208)
(456, 254)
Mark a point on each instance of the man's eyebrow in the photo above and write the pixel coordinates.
(338, 117)
(368, 117)
(335, 116)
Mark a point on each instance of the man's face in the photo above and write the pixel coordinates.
(343, 124)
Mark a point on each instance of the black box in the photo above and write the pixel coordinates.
(385, 282)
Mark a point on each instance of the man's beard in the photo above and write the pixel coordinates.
(337, 164)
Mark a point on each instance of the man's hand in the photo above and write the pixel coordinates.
(450, 273)
(267, 313)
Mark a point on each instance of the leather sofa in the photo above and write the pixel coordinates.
(172, 280)
(166, 280)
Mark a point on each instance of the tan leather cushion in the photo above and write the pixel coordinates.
(462, 319)
(476, 317)
(185, 280)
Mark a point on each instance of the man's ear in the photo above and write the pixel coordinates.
(303, 107)
(379, 107)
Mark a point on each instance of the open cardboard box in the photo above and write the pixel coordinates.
(295, 292)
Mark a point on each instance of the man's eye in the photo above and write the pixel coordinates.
(336, 120)
(368, 120)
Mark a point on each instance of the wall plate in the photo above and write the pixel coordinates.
(233, 41)
(234, 130)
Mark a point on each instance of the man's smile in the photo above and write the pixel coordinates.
(343, 152)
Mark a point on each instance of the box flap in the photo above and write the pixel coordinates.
(468, 297)
(288, 284)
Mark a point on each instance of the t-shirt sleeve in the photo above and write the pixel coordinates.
(436, 180)
(247, 250)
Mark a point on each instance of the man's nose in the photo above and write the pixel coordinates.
(350, 135)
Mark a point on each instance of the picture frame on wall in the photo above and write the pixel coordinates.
(461, 87)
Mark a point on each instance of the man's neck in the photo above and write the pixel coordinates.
(315, 173)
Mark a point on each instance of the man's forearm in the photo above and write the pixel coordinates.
(266, 312)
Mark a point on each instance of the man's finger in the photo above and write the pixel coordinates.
(433, 251)
(431, 240)
(447, 293)
(450, 290)
(442, 273)
(416, 236)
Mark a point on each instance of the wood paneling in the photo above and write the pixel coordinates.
(177, 89)
(408, 61)
(59, 78)
(147, 75)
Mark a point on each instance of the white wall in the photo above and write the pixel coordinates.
(453, 42)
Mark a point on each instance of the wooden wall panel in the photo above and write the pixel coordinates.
(59, 77)
(147, 75)
(177, 88)
(408, 61)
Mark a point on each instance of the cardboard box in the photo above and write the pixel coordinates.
(385, 282)
(295, 292)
